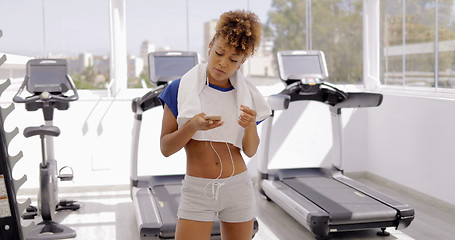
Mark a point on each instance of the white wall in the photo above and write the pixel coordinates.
(302, 137)
(411, 141)
(95, 140)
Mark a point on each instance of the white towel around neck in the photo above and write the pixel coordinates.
(192, 83)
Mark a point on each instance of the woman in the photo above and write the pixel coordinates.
(217, 183)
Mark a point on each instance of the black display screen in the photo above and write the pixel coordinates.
(167, 66)
(301, 65)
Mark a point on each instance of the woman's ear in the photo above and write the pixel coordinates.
(210, 47)
(243, 61)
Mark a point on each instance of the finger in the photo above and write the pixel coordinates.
(247, 117)
(248, 110)
(243, 118)
(201, 118)
(215, 124)
(241, 123)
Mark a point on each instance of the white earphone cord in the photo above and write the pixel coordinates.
(215, 181)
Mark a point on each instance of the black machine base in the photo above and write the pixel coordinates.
(50, 230)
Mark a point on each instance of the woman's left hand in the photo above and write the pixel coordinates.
(248, 117)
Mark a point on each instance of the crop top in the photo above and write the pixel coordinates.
(215, 101)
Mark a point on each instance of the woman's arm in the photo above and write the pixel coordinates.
(173, 138)
(250, 140)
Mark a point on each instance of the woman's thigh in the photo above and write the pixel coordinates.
(189, 230)
(237, 231)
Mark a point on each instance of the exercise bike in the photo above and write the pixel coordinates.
(47, 81)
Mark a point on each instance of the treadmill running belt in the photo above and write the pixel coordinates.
(167, 198)
(343, 203)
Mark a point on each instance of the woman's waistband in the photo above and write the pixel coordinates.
(245, 175)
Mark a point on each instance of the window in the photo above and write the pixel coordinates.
(76, 30)
(335, 27)
(79, 31)
(418, 43)
(185, 25)
(188, 24)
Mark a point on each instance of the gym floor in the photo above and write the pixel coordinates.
(108, 213)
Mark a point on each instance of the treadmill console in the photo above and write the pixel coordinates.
(306, 67)
(165, 66)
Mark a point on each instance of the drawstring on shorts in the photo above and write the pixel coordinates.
(217, 183)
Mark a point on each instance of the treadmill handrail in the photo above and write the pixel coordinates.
(279, 101)
(361, 100)
(332, 96)
(149, 100)
(139, 105)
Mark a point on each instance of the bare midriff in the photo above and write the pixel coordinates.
(203, 162)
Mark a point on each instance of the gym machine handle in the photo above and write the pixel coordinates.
(148, 101)
(46, 96)
(279, 101)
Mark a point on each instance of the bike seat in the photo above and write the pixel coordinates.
(42, 131)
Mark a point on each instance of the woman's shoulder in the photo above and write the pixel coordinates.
(172, 88)
(175, 84)
(169, 96)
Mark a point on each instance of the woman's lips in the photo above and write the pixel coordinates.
(218, 71)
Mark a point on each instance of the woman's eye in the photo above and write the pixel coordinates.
(234, 61)
(217, 53)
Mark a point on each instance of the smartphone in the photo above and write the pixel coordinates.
(213, 118)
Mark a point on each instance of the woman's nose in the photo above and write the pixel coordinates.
(223, 62)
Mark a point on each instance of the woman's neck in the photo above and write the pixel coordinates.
(219, 83)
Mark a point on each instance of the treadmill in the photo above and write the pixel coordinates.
(323, 199)
(156, 198)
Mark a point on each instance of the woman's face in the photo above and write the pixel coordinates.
(223, 61)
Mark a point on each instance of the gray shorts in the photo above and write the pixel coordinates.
(232, 199)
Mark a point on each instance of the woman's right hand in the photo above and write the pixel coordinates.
(199, 122)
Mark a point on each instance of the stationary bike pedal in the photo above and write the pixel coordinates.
(67, 205)
(30, 213)
(30, 209)
(65, 176)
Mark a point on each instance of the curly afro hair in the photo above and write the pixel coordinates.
(241, 30)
